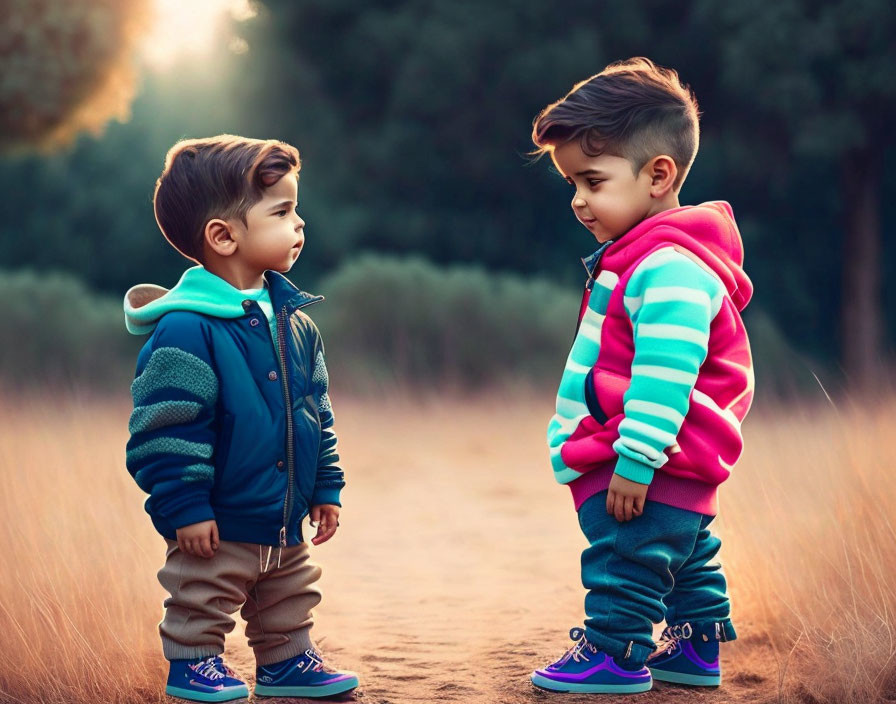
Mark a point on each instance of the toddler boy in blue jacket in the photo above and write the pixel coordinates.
(232, 430)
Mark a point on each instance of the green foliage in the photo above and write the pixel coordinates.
(386, 321)
(55, 331)
(818, 76)
(824, 69)
(67, 67)
(782, 372)
(405, 320)
(413, 120)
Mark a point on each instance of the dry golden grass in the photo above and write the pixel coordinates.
(455, 571)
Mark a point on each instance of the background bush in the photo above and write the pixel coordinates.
(56, 331)
(389, 319)
(386, 322)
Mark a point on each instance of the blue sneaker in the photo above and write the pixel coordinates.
(584, 668)
(204, 680)
(686, 655)
(302, 676)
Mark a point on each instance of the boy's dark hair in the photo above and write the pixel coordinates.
(633, 109)
(215, 177)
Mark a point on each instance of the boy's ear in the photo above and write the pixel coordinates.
(219, 237)
(663, 172)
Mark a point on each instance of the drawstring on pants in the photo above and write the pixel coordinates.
(264, 563)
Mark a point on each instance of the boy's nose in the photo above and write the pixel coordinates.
(578, 202)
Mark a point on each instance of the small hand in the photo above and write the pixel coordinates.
(625, 498)
(200, 539)
(326, 516)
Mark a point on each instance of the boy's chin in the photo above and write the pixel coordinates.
(286, 267)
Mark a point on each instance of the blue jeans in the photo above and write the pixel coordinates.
(659, 565)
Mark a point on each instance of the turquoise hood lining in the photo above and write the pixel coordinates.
(199, 291)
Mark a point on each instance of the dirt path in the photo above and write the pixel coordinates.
(455, 571)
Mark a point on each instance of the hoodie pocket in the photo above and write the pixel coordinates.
(604, 394)
(591, 399)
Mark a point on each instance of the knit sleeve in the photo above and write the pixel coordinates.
(330, 477)
(671, 301)
(172, 427)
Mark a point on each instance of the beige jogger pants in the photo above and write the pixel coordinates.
(276, 601)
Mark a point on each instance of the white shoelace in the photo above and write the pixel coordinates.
(671, 637)
(576, 652)
(209, 668)
(315, 661)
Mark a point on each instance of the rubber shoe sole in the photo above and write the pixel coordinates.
(222, 696)
(323, 690)
(555, 686)
(683, 678)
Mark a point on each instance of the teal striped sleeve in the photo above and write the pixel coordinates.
(170, 452)
(671, 301)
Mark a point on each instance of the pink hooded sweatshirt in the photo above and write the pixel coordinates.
(709, 440)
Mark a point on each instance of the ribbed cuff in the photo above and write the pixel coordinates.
(633, 470)
(326, 495)
(299, 642)
(617, 649)
(722, 630)
(172, 650)
(194, 513)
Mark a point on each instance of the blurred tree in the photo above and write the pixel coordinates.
(824, 72)
(413, 119)
(428, 109)
(67, 67)
(88, 208)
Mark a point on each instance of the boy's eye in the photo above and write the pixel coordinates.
(594, 181)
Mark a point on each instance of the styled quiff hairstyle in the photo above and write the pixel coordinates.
(632, 109)
(215, 177)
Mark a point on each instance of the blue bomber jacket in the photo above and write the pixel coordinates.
(231, 421)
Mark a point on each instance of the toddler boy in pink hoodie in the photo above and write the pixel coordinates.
(657, 383)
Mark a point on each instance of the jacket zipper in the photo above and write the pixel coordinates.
(290, 450)
(287, 502)
(589, 284)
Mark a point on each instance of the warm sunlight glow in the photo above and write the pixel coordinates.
(190, 28)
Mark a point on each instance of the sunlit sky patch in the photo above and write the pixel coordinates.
(190, 28)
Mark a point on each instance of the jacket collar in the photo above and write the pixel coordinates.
(201, 291)
(705, 232)
(285, 293)
(592, 260)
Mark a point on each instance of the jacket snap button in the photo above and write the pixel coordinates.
(253, 322)
(272, 376)
(246, 304)
(279, 464)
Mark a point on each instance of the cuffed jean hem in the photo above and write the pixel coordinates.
(728, 630)
(173, 650)
(299, 642)
(725, 633)
(617, 649)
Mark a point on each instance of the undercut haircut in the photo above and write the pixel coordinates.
(633, 109)
(215, 177)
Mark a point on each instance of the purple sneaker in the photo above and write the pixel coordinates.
(584, 668)
(302, 676)
(687, 655)
(204, 680)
